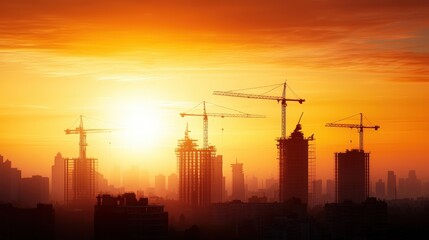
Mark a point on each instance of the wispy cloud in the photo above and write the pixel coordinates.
(74, 38)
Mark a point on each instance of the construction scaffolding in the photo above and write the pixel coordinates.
(312, 198)
(80, 174)
(194, 167)
(80, 180)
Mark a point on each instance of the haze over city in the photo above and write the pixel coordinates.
(233, 120)
(137, 65)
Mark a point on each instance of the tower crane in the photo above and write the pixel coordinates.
(205, 116)
(359, 126)
(282, 99)
(82, 136)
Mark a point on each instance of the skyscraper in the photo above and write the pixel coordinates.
(380, 191)
(57, 180)
(352, 176)
(194, 166)
(330, 190)
(413, 185)
(317, 192)
(160, 185)
(173, 186)
(238, 192)
(294, 166)
(217, 179)
(10, 181)
(391, 185)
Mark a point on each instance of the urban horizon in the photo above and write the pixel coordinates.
(232, 120)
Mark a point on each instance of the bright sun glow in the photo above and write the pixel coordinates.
(140, 123)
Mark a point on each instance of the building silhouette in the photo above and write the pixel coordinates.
(194, 167)
(330, 190)
(252, 183)
(57, 180)
(380, 189)
(402, 188)
(27, 223)
(160, 185)
(365, 220)
(317, 192)
(391, 185)
(10, 182)
(34, 190)
(238, 191)
(352, 176)
(259, 219)
(217, 179)
(294, 160)
(173, 186)
(125, 217)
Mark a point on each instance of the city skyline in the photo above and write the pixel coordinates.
(58, 62)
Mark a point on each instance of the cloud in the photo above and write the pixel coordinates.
(361, 35)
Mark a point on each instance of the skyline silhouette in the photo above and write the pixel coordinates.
(135, 71)
(137, 65)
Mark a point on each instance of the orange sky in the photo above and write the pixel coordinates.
(124, 62)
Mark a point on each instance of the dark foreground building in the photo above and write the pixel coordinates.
(124, 217)
(366, 220)
(259, 220)
(27, 223)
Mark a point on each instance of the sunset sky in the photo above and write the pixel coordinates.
(136, 65)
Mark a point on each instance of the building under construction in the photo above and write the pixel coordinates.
(217, 186)
(194, 166)
(352, 167)
(80, 181)
(352, 176)
(238, 189)
(296, 165)
(80, 178)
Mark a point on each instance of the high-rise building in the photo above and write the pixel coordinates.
(413, 185)
(294, 166)
(252, 184)
(160, 185)
(271, 190)
(217, 179)
(402, 188)
(391, 185)
(380, 189)
(34, 190)
(173, 186)
(194, 167)
(238, 192)
(102, 183)
(10, 181)
(57, 180)
(317, 192)
(330, 190)
(352, 176)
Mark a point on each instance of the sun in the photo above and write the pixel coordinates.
(140, 125)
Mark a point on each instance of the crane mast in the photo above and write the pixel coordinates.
(205, 116)
(282, 99)
(359, 126)
(82, 136)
